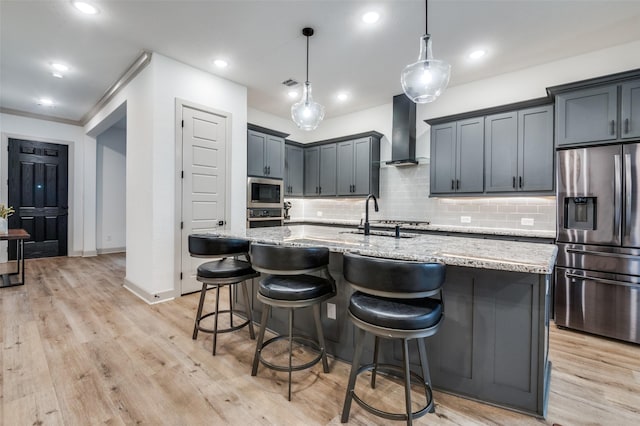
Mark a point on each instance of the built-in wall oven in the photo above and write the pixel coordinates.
(598, 266)
(264, 202)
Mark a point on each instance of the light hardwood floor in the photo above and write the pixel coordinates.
(78, 348)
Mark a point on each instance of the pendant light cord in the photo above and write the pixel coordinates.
(307, 58)
(426, 18)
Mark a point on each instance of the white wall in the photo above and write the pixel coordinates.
(271, 121)
(152, 238)
(13, 126)
(111, 171)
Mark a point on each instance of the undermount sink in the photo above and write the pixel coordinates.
(381, 234)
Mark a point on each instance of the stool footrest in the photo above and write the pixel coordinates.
(307, 341)
(223, 330)
(387, 368)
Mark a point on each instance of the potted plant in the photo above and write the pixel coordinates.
(5, 212)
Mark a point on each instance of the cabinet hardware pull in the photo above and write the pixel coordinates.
(627, 127)
(457, 183)
(520, 181)
(269, 170)
(320, 190)
(613, 127)
(221, 223)
(264, 170)
(316, 190)
(453, 184)
(514, 182)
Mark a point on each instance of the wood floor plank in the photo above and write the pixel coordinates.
(77, 348)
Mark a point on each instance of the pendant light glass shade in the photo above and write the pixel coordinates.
(307, 113)
(425, 80)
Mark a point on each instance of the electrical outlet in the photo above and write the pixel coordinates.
(319, 213)
(465, 219)
(331, 311)
(526, 221)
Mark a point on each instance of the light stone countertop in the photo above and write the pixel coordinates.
(508, 232)
(536, 258)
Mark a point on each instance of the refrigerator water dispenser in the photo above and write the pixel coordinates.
(580, 213)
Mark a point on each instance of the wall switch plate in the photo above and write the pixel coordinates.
(465, 219)
(526, 221)
(331, 311)
(319, 213)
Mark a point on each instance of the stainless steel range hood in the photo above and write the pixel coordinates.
(403, 137)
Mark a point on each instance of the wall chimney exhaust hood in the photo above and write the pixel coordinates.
(403, 136)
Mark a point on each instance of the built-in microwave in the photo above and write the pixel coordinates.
(263, 193)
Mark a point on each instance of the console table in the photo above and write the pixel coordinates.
(17, 235)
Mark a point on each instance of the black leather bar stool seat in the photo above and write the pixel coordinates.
(394, 299)
(288, 283)
(228, 270)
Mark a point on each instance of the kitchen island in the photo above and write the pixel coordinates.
(493, 345)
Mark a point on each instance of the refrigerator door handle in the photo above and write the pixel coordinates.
(600, 280)
(628, 191)
(617, 190)
(602, 253)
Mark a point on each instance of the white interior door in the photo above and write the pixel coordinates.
(203, 184)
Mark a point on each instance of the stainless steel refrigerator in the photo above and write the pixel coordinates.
(598, 267)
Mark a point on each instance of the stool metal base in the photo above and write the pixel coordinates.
(215, 330)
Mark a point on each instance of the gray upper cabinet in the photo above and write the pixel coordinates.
(587, 115)
(312, 171)
(457, 157)
(265, 155)
(630, 110)
(294, 170)
(519, 150)
(358, 167)
(328, 169)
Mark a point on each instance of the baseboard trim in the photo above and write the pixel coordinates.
(151, 299)
(111, 250)
(89, 253)
(75, 253)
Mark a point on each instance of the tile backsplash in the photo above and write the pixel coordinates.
(404, 195)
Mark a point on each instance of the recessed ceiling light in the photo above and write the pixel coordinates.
(371, 17)
(343, 96)
(45, 102)
(220, 63)
(56, 74)
(85, 7)
(477, 54)
(59, 67)
(293, 93)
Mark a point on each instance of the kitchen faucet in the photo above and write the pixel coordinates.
(367, 227)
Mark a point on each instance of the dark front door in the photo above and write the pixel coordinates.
(38, 192)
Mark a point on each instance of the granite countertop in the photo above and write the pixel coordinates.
(536, 258)
(508, 232)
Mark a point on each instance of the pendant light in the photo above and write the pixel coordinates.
(426, 79)
(307, 113)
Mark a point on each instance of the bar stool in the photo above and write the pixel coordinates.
(288, 284)
(393, 300)
(226, 271)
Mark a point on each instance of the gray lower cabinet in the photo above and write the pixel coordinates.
(457, 157)
(293, 170)
(519, 150)
(265, 155)
(492, 345)
(630, 110)
(358, 167)
(312, 171)
(587, 115)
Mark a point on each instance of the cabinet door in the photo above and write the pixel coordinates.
(470, 155)
(328, 169)
(586, 115)
(274, 157)
(630, 124)
(255, 153)
(443, 158)
(311, 171)
(362, 166)
(535, 149)
(501, 152)
(294, 170)
(345, 168)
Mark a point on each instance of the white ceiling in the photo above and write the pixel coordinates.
(263, 43)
